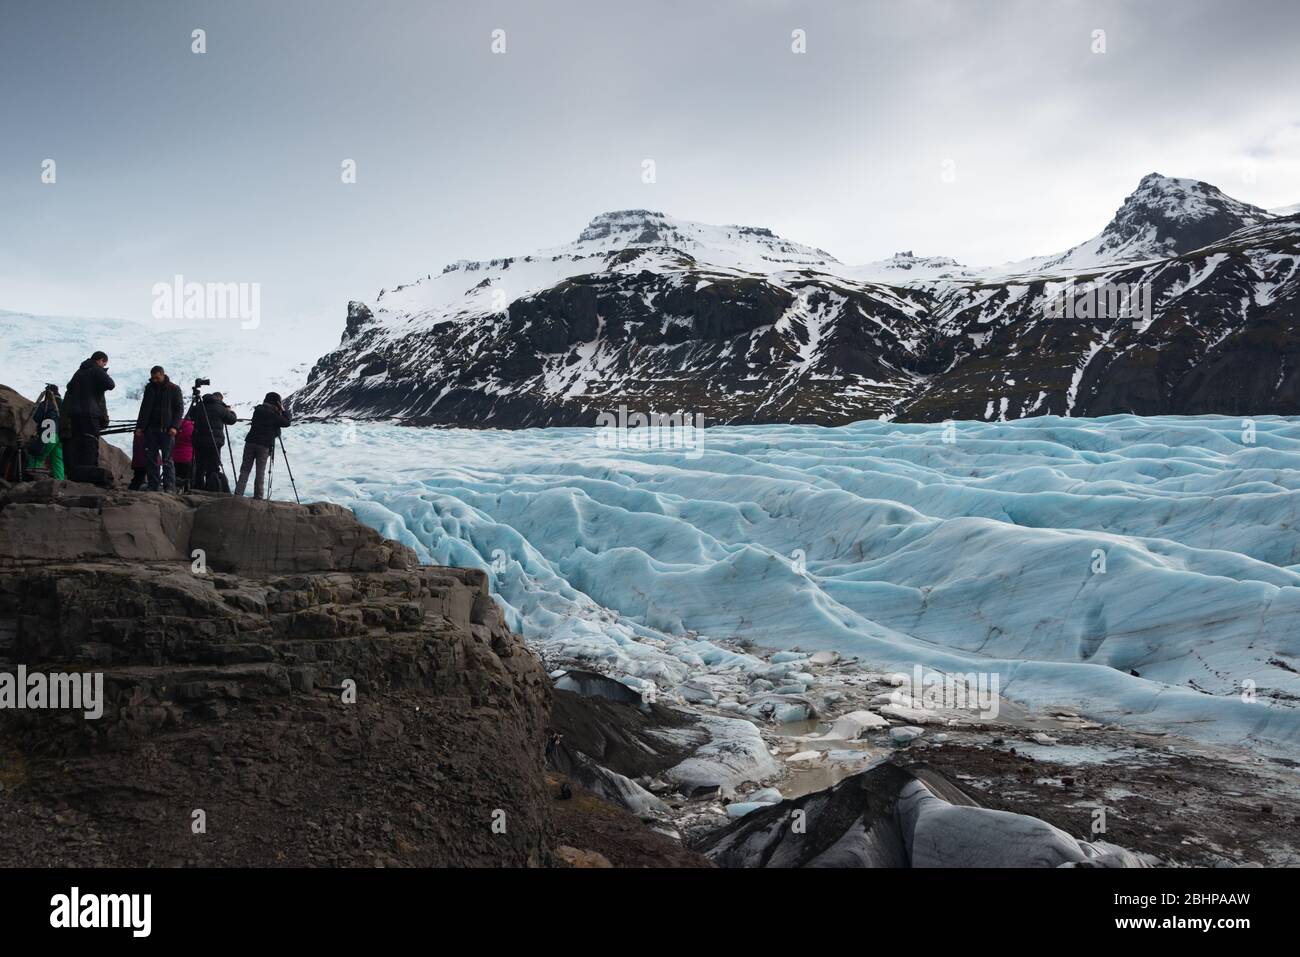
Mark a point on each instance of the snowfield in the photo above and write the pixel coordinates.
(1145, 571)
(245, 364)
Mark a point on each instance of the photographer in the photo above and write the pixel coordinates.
(268, 419)
(45, 445)
(87, 413)
(210, 417)
(161, 409)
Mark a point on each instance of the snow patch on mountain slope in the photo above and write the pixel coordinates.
(747, 248)
(1146, 227)
(904, 268)
(621, 241)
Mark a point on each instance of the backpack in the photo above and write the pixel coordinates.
(46, 409)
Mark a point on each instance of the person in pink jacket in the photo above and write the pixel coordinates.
(183, 453)
(138, 463)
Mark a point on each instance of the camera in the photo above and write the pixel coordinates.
(202, 382)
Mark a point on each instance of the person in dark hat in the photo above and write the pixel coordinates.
(87, 413)
(268, 419)
(210, 417)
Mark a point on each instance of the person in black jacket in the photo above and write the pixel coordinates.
(161, 409)
(87, 413)
(268, 419)
(211, 416)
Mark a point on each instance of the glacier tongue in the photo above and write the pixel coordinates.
(1059, 554)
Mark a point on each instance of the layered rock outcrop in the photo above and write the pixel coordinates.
(281, 685)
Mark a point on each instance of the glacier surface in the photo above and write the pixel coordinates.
(244, 364)
(1144, 571)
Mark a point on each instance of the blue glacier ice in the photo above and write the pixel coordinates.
(1061, 554)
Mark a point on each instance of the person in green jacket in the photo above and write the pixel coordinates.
(48, 409)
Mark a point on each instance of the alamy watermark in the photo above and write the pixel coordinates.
(76, 909)
(75, 691)
(644, 431)
(938, 691)
(179, 299)
(1101, 300)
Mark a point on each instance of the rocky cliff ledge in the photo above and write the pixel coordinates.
(281, 685)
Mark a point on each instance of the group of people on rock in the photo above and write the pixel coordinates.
(170, 444)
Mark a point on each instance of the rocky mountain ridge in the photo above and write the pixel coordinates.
(742, 327)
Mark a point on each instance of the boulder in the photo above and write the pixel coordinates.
(781, 708)
(847, 728)
(633, 740)
(894, 816)
(257, 536)
(574, 857)
(735, 752)
(610, 785)
(593, 684)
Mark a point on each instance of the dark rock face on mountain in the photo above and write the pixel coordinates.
(741, 326)
(359, 316)
(331, 703)
(1221, 338)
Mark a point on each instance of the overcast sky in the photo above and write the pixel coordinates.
(225, 166)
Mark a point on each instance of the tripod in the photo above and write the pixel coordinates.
(196, 401)
(290, 471)
(230, 447)
(271, 472)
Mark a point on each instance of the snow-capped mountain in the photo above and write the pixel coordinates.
(740, 325)
(906, 267)
(1163, 217)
